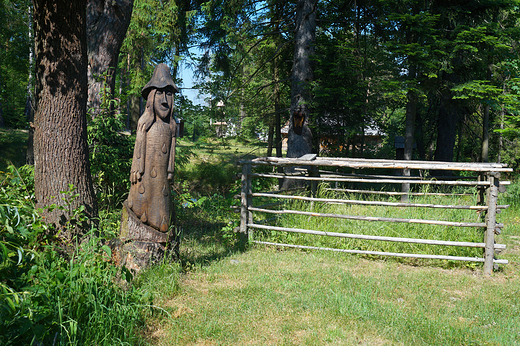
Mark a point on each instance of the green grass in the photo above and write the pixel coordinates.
(388, 229)
(272, 297)
(277, 296)
(214, 165)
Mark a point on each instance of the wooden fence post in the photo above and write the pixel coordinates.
(491, 221)
(245, 203)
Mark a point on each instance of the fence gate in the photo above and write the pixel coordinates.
(338, 172)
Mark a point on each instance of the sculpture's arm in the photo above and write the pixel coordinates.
(171, 161)
(138, 160)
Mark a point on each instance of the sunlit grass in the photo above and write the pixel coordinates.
(268, 296)
(381, 228)
(277, 296)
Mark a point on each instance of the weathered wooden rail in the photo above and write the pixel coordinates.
(486, 182)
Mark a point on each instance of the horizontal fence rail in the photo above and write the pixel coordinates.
(384, 164)
(312, 170)
(375, 218)
(379, 181)
(379, 253)
(375, 237)
(377, 203)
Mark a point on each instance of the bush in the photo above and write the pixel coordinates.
(51, 297)
(110, 156)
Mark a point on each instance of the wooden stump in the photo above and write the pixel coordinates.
(139, 245)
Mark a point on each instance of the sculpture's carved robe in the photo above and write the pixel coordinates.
(152, 165)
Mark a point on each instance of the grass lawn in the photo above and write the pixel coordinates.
(272, 296)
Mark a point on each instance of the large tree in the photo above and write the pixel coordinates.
(300, 139)
(107, 23)
(60, 137)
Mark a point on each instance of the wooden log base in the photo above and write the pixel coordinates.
(138, 246)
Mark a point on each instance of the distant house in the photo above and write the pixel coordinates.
(373, 136)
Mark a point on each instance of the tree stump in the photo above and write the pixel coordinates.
(140, 245)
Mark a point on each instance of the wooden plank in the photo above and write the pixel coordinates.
(373, 203)
(377, 181)
(245, 203)
(329, 174)
(487, 165)
(308, 157)
(372, 218)
(388, 164)
(396, 193)
(379, 253)
(489, 252)
(379, 238)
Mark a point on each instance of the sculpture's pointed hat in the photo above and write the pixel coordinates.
(161, 79)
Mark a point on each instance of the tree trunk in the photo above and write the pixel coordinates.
(485, 135)
(500, 136)
(299, 144)
(270, 135)
(485, 125)
(446, 130)
(29, 103)
(411, 111)
(107, 23)
(277, 126)
(60, 136)
(419, 135)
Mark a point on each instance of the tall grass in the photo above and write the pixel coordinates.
(386, 229)
(51, 296)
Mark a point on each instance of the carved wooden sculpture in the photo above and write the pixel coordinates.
(148, 211)
(154, 153)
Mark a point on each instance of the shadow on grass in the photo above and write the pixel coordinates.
(203, 242)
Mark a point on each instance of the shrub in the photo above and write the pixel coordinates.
(51, 297)
(110, 155)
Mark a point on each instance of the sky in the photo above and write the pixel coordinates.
(186, 74)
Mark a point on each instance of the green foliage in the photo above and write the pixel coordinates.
(14, 61)
(196, 117)
(13, 146)
(110, 154)
(52, 297)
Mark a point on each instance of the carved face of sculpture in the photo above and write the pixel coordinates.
(163, 103)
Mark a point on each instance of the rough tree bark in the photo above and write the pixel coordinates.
(277, 109)
(446, 129)
(299, 144)
(60, 136)
(411, 112)
(485, 125)
(29, 103)
(107, 23)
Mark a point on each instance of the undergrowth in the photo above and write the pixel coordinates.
(52, 297)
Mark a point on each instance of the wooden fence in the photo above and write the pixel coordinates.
(314, 169)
